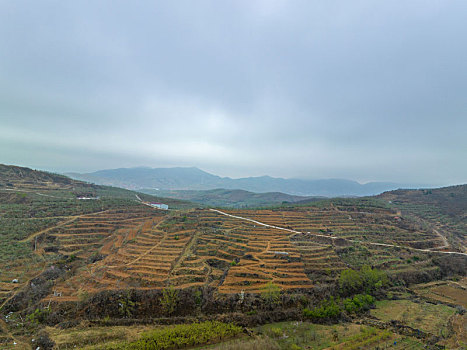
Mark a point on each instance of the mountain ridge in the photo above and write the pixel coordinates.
(192, 178)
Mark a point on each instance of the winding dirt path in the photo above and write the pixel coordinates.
(63, 223)
(38, 233)
(443, 238)
(331, 237)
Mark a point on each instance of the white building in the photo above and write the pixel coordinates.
(159, 206)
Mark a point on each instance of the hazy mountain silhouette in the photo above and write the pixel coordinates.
(191, 178)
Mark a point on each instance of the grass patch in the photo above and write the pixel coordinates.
(426, 317)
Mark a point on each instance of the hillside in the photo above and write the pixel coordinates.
(448, 200)
(15, 180)
(196, 179)
(230, 198)
(444, 208)
(69, 263)
(19, 177)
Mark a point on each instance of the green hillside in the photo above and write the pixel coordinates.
(231, 198)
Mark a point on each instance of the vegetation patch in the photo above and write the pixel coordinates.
(424, 316)
(180, 336)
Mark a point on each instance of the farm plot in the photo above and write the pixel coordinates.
(85, 234)
(242, 256)
(377, 226)
(143, 248)
(108, 243)
(427, 317)
(450, 292)
(331, 239)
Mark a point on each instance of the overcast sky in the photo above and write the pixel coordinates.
(364, 90)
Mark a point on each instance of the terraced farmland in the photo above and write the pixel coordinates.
(123, 244)
(374, 226)
(145, 248)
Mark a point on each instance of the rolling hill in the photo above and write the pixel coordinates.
(231, 198)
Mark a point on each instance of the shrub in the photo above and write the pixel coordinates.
(350, 281)
(327, 310)
(169, 300)
(367, 279)
(275, 332)
(271, 294)
(359, 303)
(126, 306)
(38, 316)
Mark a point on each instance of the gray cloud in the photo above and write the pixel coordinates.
(363, 90)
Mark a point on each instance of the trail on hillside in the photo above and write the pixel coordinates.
(331, 237)
(63, 223)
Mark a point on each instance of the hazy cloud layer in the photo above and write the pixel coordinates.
(366, 90)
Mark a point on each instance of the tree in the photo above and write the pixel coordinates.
(169, 300)
(271, 294)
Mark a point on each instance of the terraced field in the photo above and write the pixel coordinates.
(101, 239)
(146, 248)
(374, 226)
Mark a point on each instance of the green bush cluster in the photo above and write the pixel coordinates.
(364, 280)
(183, 335)
(327, 310)
(38, 315)
(359, 303)
(332, 309)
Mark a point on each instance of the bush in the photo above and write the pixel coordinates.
(271, 294)
(359, 303)
(38, 316)
(350, 281)
(331, 310)
(367, 280)
(328, 310)
(169, 300)
(182, 336)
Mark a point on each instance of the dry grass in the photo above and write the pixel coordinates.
(424, 316)
(85, 337)
(451, 292)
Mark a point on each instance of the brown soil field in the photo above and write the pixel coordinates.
(146, 248)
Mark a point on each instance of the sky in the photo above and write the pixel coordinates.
(363, 90)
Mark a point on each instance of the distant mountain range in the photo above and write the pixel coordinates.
(169, 179)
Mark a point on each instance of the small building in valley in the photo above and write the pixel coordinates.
(159, 206)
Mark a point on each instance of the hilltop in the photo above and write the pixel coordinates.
(196, 179)
(12, 177)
